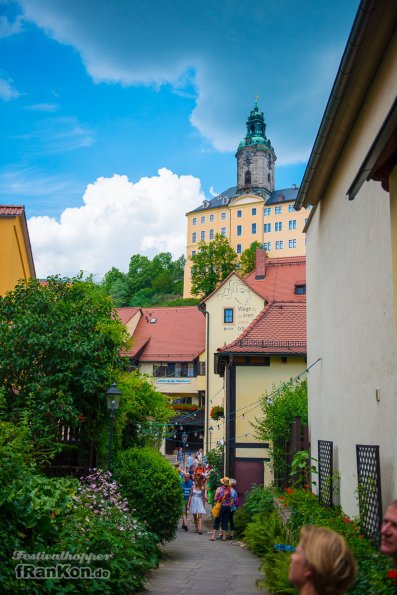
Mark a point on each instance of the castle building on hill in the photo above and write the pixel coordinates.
(252, 211)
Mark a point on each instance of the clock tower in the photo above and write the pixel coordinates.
(255, 157)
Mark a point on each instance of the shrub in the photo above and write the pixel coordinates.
(101, 523)
(263, 532)
(259, 499)
(153, 488)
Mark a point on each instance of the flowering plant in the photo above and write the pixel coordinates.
(216, 412)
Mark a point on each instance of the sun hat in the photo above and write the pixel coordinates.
(225, 481)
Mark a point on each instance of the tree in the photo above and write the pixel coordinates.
(60, 346)
(248, 258)
(279, 410)
(212, 263)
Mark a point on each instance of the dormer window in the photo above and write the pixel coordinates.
(300, 289)
(224, 200)
(206, 204)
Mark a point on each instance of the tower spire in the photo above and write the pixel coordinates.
(255, 156)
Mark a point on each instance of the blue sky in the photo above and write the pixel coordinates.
(118, 116)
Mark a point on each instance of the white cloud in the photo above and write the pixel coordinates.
(43, 107)
(117, 219)
(7, 90)
(57, 135)
(227, 51)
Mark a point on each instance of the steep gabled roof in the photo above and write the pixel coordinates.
(169, 334)
(282, 275)
(279, 328)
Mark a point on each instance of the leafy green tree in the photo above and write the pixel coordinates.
(248, 258)
(279, 411)
(211, 264)
(143, 414)
(60, 346)
(140, 272)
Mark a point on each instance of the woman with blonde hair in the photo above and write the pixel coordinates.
(196, 503)
(322, 563)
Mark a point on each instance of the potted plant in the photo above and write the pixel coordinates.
(217, 412)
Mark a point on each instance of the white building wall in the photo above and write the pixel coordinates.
(351, 327)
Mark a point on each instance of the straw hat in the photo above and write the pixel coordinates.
(225, 481)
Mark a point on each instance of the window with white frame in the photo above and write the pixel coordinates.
(223, 231)
(211, 218)
(267, 246)
(212, 234)
(194, 220)
(238, 249)
(278, 226)
(292, 224)
(278, 209)
(239, 230)
(267, 211)
(223, 215)
(291, 207)
(202, 236)
(279, 245)
(194, 235)
(239, 214)
(203, 219)
(267, 227)
(253, 211)
(291, 243)
(193, 252)
(253, 228)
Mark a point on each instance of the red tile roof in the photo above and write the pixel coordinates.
(11, 210)
(125, 314)
(282, 274)
(279, 328)
(175, 334)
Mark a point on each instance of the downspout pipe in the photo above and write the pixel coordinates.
(353, 46)
(204, 311)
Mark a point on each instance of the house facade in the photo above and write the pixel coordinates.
(16, 258)
(351, 183)
(255, 339)
(168, 345)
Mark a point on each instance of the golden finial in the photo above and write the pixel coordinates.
(256, 98)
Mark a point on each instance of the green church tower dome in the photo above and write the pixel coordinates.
(256, 130)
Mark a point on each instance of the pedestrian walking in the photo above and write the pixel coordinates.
(179, 456)
(233, 508)
(223, 495)
(196, 503)
(187, 485)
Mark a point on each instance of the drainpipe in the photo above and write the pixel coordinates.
(204, 311)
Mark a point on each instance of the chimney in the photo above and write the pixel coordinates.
(260, 263)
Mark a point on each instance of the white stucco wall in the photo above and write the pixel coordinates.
(351, 322)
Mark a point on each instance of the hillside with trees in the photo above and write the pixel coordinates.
(159, 282)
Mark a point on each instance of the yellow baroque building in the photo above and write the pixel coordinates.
(16, 259)
(252, 211)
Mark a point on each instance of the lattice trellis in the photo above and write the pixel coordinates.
(369, 490)
(325, 472)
